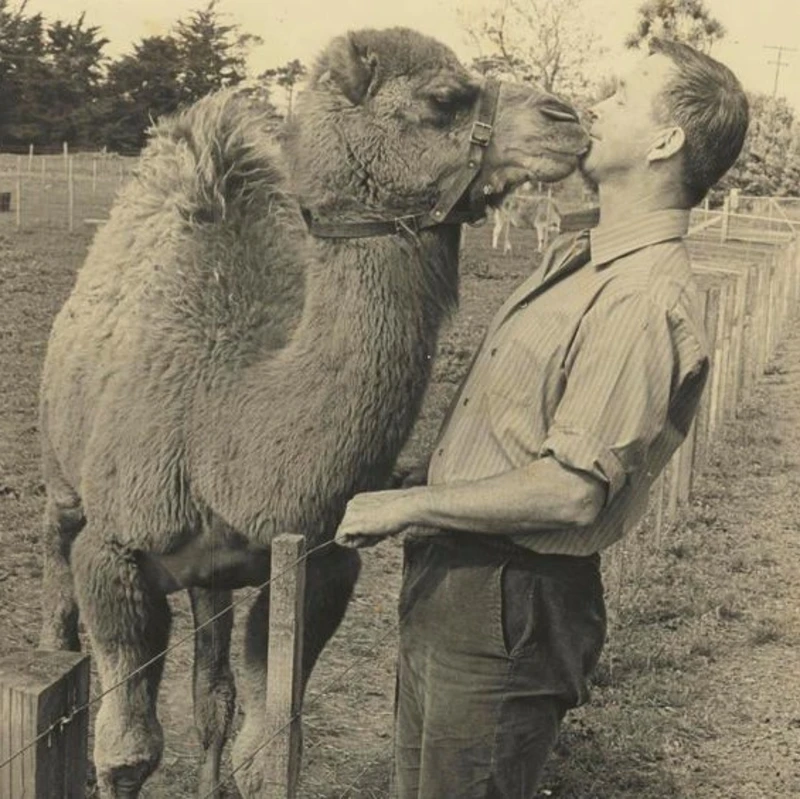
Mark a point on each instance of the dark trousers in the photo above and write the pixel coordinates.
(496, 644)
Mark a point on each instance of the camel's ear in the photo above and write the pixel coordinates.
(353, 68)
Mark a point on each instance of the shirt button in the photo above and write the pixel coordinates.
(523, 304)
(466, 400)
(493, 352)
(441, 451)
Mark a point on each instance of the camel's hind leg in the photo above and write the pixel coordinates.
(63, 520)
(128, 623)
(330, 578)
(213, 688)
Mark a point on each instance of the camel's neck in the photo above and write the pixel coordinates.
(338, 403)
(366, 341)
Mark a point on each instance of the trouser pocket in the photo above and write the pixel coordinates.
(517, 607)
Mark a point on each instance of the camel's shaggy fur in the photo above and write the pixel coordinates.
(218, 377)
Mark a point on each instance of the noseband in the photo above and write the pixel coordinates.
(443, 212)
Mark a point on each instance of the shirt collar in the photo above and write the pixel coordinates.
(610, 242)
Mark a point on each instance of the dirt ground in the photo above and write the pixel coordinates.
(698, 695)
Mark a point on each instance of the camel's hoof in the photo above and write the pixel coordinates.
(124, 782)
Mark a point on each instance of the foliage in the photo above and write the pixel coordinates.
(140, 87)
(49, 76)
(547, 42)
(56, 85)
(287, 77)
(212, 54)
(688, 21)
(770, 160)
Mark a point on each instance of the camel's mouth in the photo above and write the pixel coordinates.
(547, 167)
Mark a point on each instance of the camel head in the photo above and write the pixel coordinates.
(384, 126)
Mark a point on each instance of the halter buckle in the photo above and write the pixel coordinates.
(481, 133)
(407, 225)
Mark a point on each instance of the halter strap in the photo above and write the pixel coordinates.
(442, 213)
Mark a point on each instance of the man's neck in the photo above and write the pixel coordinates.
(620, 200)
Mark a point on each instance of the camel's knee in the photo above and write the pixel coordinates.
(118, 604)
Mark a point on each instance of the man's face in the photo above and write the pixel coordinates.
(625, 126)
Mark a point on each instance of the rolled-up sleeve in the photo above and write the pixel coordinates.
(619, 372)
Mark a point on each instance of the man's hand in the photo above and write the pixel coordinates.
(373, 516)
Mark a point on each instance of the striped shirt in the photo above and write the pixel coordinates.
(601, 368)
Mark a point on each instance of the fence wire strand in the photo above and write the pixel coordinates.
(249, 594)
(308, 703)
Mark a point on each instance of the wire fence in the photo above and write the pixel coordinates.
(59, 191)
(310, 701)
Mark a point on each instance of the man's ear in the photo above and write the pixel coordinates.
(352, 67)
(669, 142)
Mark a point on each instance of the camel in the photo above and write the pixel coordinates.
(525, 209)
(247, 345)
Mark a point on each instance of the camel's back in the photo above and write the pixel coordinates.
(198, 271)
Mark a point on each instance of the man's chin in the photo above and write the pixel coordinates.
(586, 167)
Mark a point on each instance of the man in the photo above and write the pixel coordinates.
(586, 383)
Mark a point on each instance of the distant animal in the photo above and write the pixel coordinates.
(247, 346)
(521, 209)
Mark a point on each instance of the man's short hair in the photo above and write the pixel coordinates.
(706, 99)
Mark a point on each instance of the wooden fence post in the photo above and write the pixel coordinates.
(284, 667)
(748, 334)
(703, 435)
(726, 219)
(37, 690)
(71, 194)
(18, 204)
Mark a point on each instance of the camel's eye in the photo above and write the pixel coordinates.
(447, 101)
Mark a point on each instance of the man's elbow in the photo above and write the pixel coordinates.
(588, 500)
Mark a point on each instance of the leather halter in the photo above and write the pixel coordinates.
(442, 213)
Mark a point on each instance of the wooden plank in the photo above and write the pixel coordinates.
(284, 667)
(39, 691)
(711, 311)
(686, 464)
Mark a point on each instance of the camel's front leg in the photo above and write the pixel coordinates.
(128, 622)
(330, 577)
(63, 520)
(213, 687)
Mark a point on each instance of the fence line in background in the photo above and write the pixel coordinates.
(60, 191)
(748, 270)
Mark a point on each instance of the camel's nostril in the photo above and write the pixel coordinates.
(555, 109)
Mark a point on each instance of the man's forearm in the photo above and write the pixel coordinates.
(541, 496)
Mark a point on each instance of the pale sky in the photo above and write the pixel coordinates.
(300, 28)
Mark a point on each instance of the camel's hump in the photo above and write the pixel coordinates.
(205, 242)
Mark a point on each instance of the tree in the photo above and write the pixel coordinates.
(547, 42)
(140, 88)
(49, 78)
(164, 73)
(287, 77)
(770, 160)
(22, 70)
(214, 54)
(74, 57)
(688, 21)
